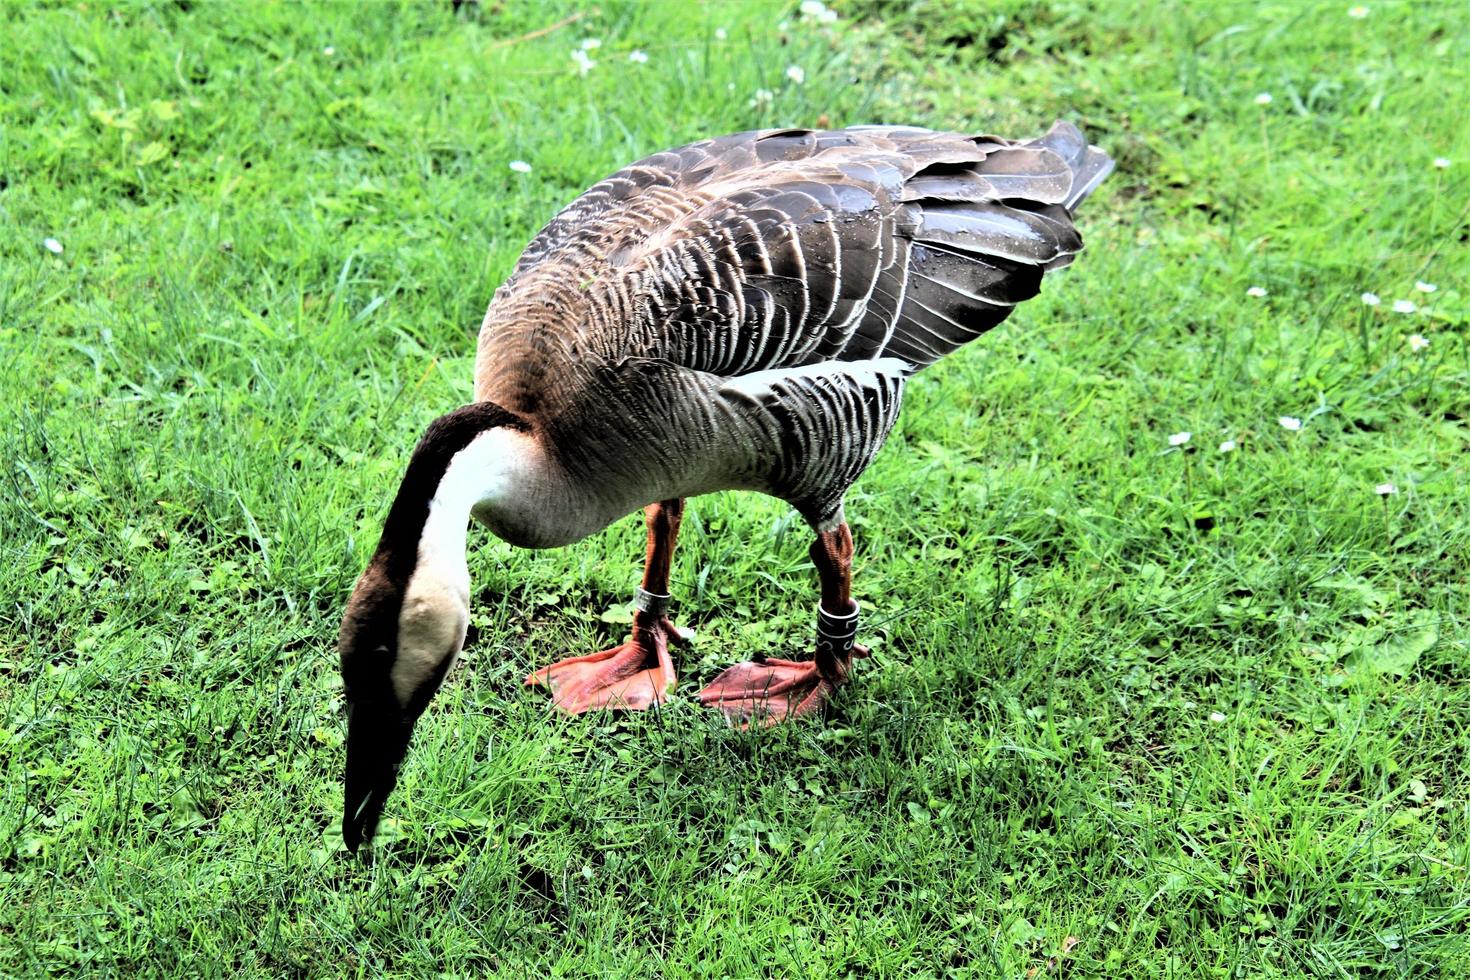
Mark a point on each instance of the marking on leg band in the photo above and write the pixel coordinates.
(837, 633)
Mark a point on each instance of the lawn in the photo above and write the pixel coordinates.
(1166, 578)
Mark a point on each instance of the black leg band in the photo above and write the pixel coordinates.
(836, 634)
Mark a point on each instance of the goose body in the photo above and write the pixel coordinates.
(738, 313)
(742, 313)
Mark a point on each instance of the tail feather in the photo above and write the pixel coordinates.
(1089, 165)
(983, 219)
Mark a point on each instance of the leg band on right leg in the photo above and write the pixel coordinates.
(653, 603)
(836, 634)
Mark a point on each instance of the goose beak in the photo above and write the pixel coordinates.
(377, 741)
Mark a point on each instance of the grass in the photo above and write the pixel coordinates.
(1134, 710)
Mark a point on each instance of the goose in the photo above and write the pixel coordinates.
(738, 313)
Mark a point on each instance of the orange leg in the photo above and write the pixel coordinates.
(638, 673)
(766, 691)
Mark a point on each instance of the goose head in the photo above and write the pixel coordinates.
(405, 623)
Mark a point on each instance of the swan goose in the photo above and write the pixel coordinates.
(738, 313)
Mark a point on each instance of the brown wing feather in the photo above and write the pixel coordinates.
(781, 248)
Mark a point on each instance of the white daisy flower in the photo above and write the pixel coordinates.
(796, 73)
(520, 166)
(1371, 299)
(721, 33)
(638, 57)
(1217, 717)
(1418, 342)
(53, 246)
(1255, 291)
(584, 63)
(1357, 13)
(328, 51)
(1384, 489)
(1263, 99)
(1290, 423)
(1228, 446)
(1404, 306)
(591, 43)
(1441, 163)
(763, 98)
(1425, 287)
(1180, 438)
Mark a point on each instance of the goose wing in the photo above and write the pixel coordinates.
(784, 248)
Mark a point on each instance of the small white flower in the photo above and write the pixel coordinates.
(721, 33)
(1357, 13)
(1425, 287)
(1371, 299)
(815, 10)
(591, 43)
(328, 51)
(53, 246)
(584, 63)
(1228, 446)
(1217, 717)
(1263, 99)
(1179, 438)
(1384, 489)
(1290, 423)
(729, 86)
(1404, 306)
(520, 166)
(784, 25)
(1418, 342)
(638, 57)
(1255, 291)
(1441, 163)
(796, 73)
(763, 98)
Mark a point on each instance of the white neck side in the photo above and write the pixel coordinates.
(442, 541)
(521, 494)
(436, 603)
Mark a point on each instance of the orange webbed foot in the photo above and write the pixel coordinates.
(768, 692)
(633, 676)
